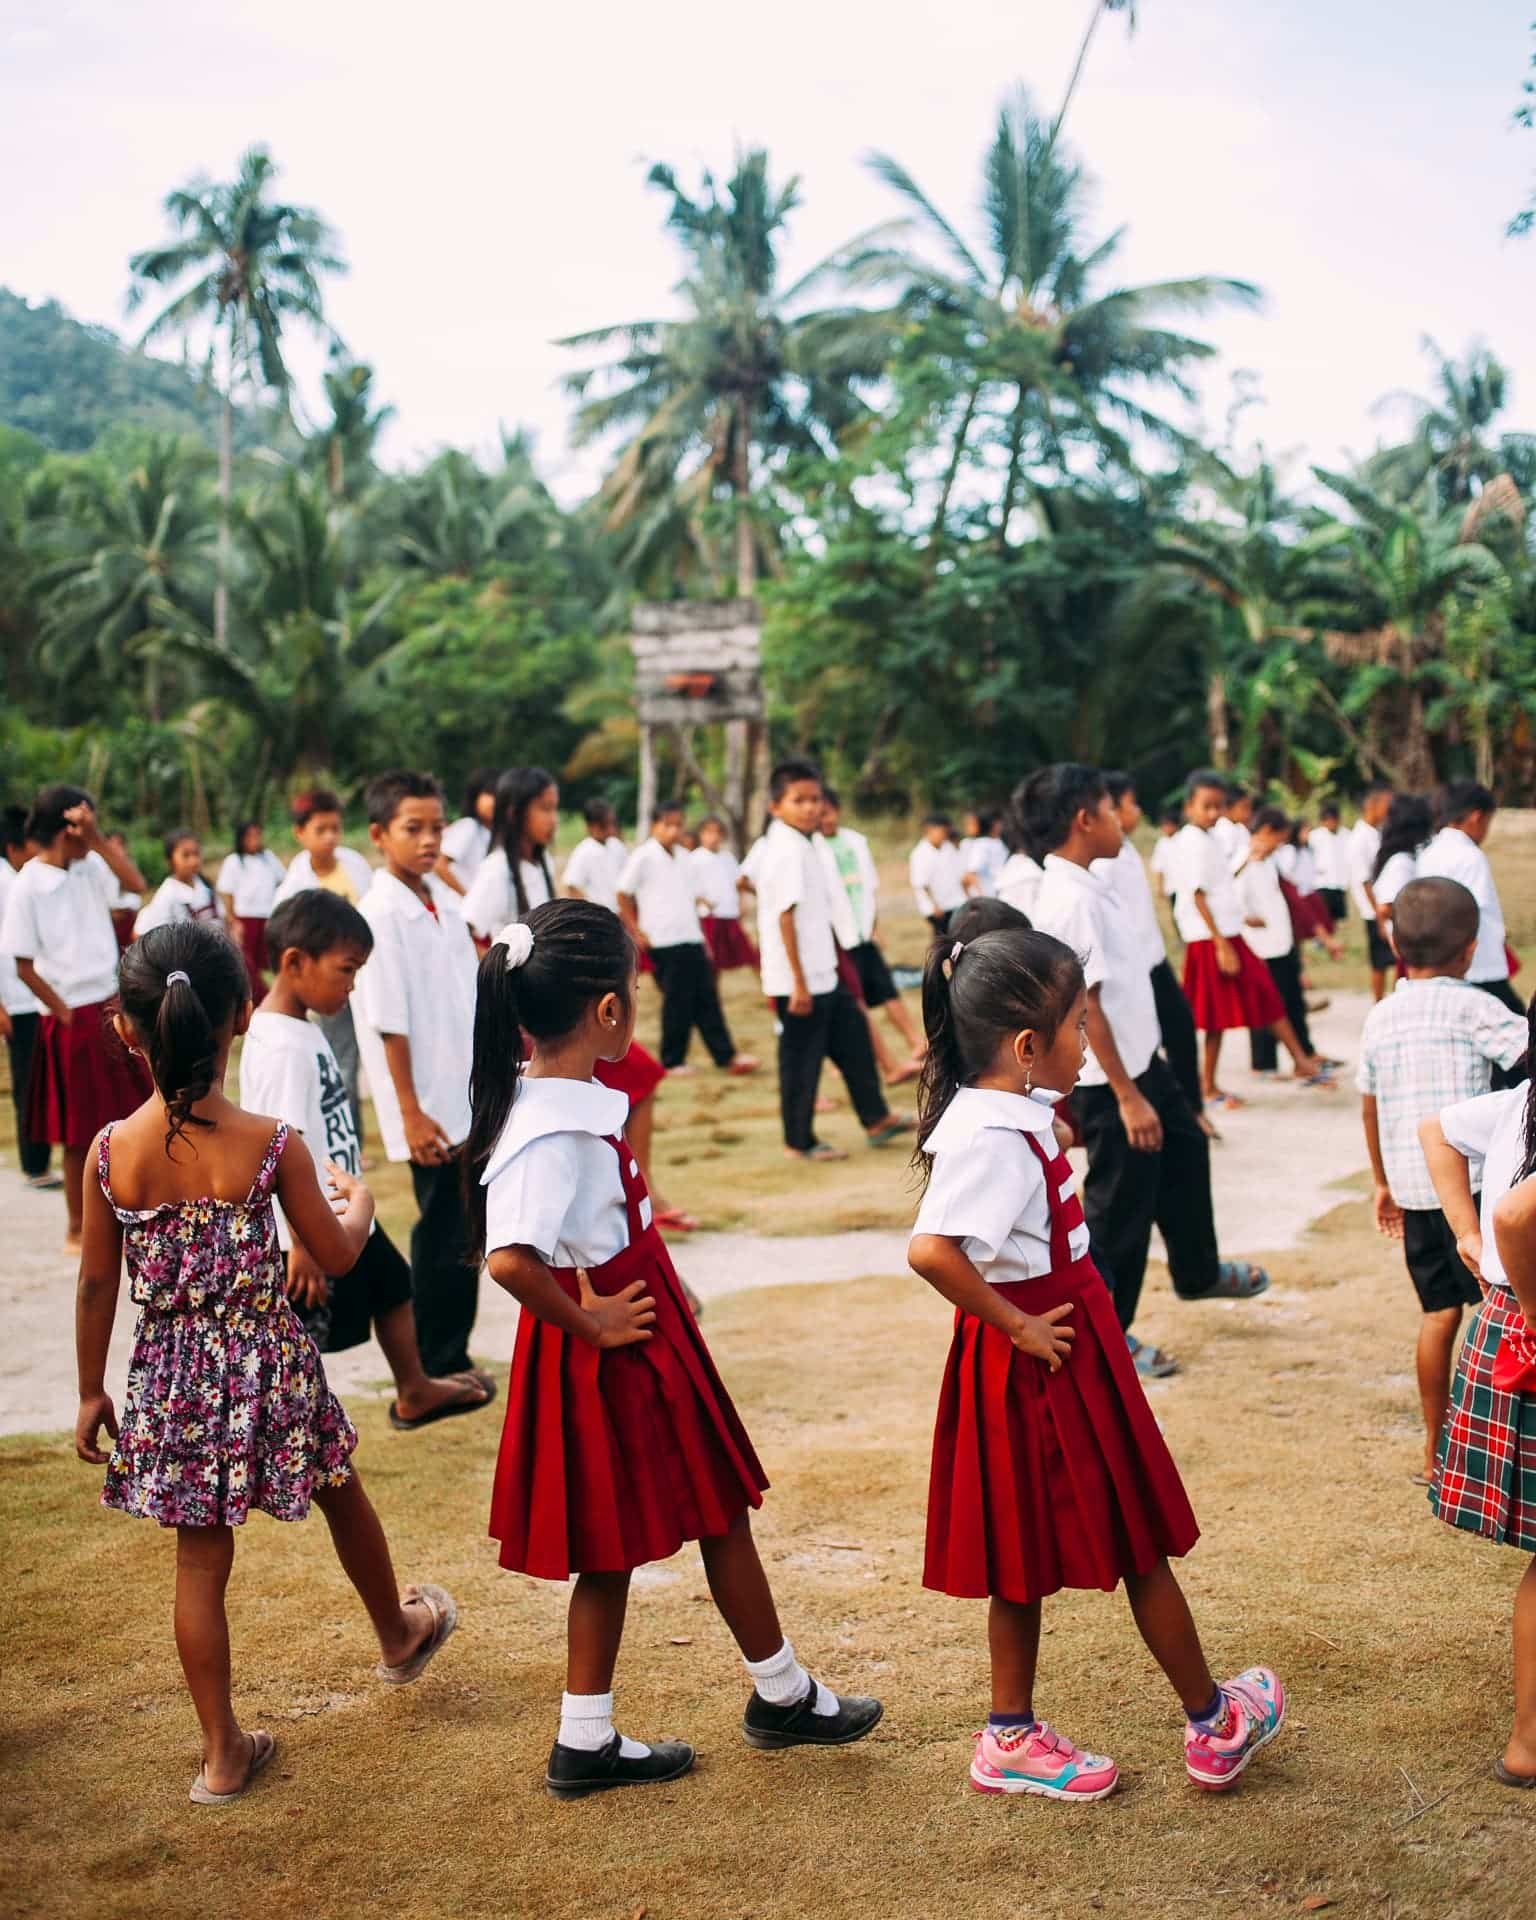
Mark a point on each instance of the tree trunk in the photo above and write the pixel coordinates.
(957, 454)
(1216, 719)
(226, 489)
(741, 487)
(1015, 457)
(1095, 15)
(736, 778)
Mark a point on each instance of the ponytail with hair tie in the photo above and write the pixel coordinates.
(181, 986)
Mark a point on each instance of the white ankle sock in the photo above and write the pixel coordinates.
(781, 1680)
(586, 1722)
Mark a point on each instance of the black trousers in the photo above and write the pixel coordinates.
(1262, 1044)
(1337, 902)
(689, 999)
(1503, 991)
(33, 1154)
(835, 1029)
(1127, 1192)
(445, 1282)
(1176, 1023)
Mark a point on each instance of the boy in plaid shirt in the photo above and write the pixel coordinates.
(1431, 1044)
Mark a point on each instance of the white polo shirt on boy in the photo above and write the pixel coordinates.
(1126, 878)
(287, 1069)
(792, 873)
(1083, 912)
(937, 874)
(251, 880)
(351, 877)
(14, 997)
(1454, 855)
(1195, 864)
(662, 885)
(60, 918)
(1329, 849)
(714, 874)
(1360, 853)
(594, 868)
(418, 981)
(1019, 882)
(553, 1181)
(1259, 890)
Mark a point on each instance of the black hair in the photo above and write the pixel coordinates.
(386, 793)
(1172, 816)
(664, 808)
(1374, 787)
(984, 915)
(597, 810)
(175, 837)
(830, 796)
(710, 820)
(304, 806)
(1117, 784)
(1236, 791)
(938, 820)
(787, 772)
(988, 821)
(580, 952)
(1329, 810)
(1202, 778)
(1433, 920)
(516, 791)
(997, 984)
(13, 827)
(315, 921)
(178, 1023)
(1046, 803)
(1457, 798)
(1272, 820)
(245, 827)
(482, 780)
(1407, 827)
(46, 820)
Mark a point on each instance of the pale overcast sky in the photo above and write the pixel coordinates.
(485, 167)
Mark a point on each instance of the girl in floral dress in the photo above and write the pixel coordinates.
(228, 1407)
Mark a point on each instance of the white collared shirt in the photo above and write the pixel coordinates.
(14, 997)
(60, 918)
(1232, 837)
(1196, 865)
(1019, 882)
(594, 868)
(854, 867)
(419, 981)
(1162, 858)
(1364, 845)
(937, 874)
(466, 843)
(1452, 855)
(1126, 877)
(793, 874)
(355, 877)
(491, 900)
(1085, 914)
(1328, 850)
(988, 1190)
(985, 856)
(1259, 890)
(175, 900)
(1490, 1132)
(1394, 876)
(287, 1070)
(714, 879)
(251, 880)
(553, 1181)
(662, 885)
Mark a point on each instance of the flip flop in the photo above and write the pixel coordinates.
(445, 1617)
(1225, 1103)
(448, 1410)
(1507, 1777)
(1235, 1281)
(743, 1064)
(1418, 1479)
(202, 1795)
(1323, 1078)
(678, 1219)
(821, 1151)
(45, 1182)
(889, 1130)
(1149, 1361)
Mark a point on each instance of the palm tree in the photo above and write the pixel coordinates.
(1096, 12)
(343, 445)
(245, 266)
(453, 517)
(1017, 322)
(712, 402)
(1452, 435)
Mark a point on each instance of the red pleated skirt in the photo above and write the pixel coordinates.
(1220, 1001)
(1309, 913)
(612, 1458)
(253, 944)
(636, 1076)
(848, 973)
(1046, 1480)
(82, 1077)
(727, 944)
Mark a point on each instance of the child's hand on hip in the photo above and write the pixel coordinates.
(1470, 1247)
(1040, 1334)
(1389, 1215)
(96, 1412)
(623, 1318)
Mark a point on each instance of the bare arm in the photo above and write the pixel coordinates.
(1226, 959)
(600, 1320)
(336, 1241)
(800, 998)
(448, 873)
(1453, 1184)
(1389, 1215)
(629, 914)
(28, 975)
(1514, 1228)
(117, 858)
(941, 1261)
(425, 1139)
(1143, 1128)
(101, 1266)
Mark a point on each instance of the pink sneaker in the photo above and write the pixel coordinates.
(1039, 1761)
(1255, 1713)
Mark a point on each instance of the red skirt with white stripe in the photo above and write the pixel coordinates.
(727, 944)
(1046, 1480)
(82, 1077)
(1220, 1001)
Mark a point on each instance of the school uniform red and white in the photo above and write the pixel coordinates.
(419, 982)
(466, 842)
(1329, 847)
(1039, 1480)
(610, 1458)
(1485, 1479)
(174, 900)
(1126, 1191)
(1311, 917)
(853, 883)
(1454, 855)
(1126, 877)
(1262, 894)
(26, 1013)
(1018, 882)
(594, 868)
(350, 878)
(660, 882)
(1218, 1001)
(937, 874)
(491, 900)
(251, 881)
(714, 874)
(60, 919)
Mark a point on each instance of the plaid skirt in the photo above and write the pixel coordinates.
(1485, 1480)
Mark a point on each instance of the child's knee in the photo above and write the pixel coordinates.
(206, 1551)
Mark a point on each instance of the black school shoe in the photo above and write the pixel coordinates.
(573, 1772)
(799, 1725)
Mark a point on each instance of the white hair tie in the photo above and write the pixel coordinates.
(176, 976)
(518, 941)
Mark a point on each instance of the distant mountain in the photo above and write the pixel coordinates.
(66, 382)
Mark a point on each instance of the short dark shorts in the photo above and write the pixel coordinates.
(875, 981)
(379, 1282)
(1383, 959)
(1337, 902)
(1439, 1276)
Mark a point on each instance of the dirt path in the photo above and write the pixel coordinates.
(1277, 1170)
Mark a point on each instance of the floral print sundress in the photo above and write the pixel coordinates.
(228, 1407)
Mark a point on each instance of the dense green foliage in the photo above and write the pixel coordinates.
(947, 463)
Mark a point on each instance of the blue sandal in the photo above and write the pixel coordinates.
(1149, 1361)
(1236, 1280)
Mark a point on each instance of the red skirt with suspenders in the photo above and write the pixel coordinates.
(1046, 1480)
(611, 1458)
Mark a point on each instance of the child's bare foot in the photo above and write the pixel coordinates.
(427, 1616)
(1520, 1759)
(744, 1063)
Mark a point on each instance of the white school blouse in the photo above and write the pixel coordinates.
(1196, 864)
(1232, 837)
(594, 868)
(988, 1190)
(1394, 876)
(1327, 850)
(1453, 855)
(1085, 913)
(714, 879)
(1363, 846)
(793, 874)
(1258, 888)
(662, 885)
(1019, 882)
(466, 843)
(14, 997)
(287, 1069)
(60, 919)
(552, 1182)
(1490, 1132)
(175, 900)
(251, 880)
(937, 874)
(985, 856)
(1126, 876)
(418, 981)
(491, 900)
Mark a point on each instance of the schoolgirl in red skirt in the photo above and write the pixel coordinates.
(1048, 1468)
(621, 1441)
